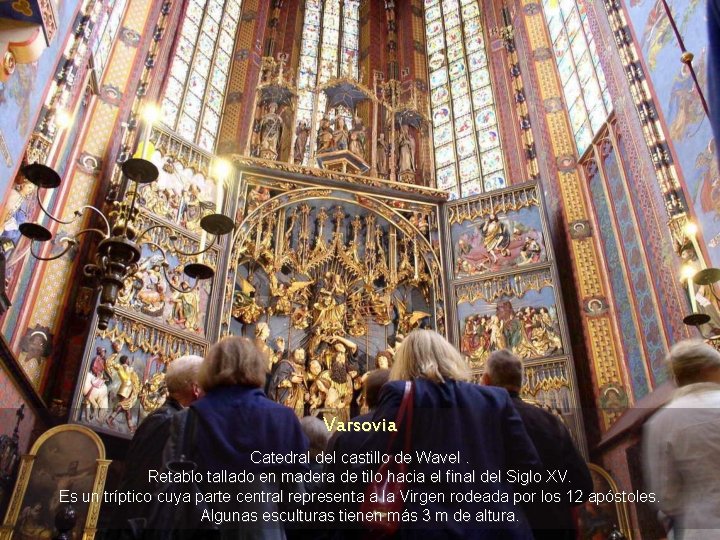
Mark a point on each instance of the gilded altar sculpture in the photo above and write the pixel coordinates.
(271, 131)
(338, 276)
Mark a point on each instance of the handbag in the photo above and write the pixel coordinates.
(377, 495)
(181, 521)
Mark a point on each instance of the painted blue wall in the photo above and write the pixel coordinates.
(22, 96)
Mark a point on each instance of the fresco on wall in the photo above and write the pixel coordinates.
(498, 242)
(687, 126)
(20, 208)
(22, 95)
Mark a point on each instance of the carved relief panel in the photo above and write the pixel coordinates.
(505, 289)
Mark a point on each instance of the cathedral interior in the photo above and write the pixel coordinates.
(326, 176)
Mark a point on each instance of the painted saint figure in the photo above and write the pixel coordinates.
(325, 138)
(383, 152)
(288, 384)
(127, 393)
(271, 128)
(35, 347)
(341, 136)
(406, 152)
(358, 138)
(495, 237)
(302, 133)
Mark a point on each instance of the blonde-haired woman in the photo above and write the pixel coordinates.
(236, 424)
(425, 354)
(461, 428)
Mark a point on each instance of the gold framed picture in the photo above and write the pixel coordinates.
(68, 458)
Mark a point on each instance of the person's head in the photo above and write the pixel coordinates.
(426, 354)
(233, 361)
(181, 379)
(315, 367)
(503, 369)
(693, 361)
(340, 354)
(117, 346)
(374, 381)
(123, 360)
(26, 188)
(317, 433)
(382, 361)
(280, 344)
(37, 344)
(262, 331)
(339, 371)
(299, 356)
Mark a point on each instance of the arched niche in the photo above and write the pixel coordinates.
(317, 263)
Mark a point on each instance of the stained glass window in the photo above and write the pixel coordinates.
(583, 80)
(468, 154)
(109, 25)
(199, 72)
(331, 38)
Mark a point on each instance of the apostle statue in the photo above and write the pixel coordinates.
(262, 333)
(337, 385)
(288, 384)
(355, 147)
(406, 154)
(271, 128)
(302, 133)
(383, 151)
(127, 393)
(316, 397)
(358, 138)
(186, 306)
(325, 138)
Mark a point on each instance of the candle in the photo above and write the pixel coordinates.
(415, 255)
(691, 230)
(146, 144)
(696, 246)
(691, 290)
(203, 242)
(219, 196)
(150, 114)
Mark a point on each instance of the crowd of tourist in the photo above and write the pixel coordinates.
(217, 418)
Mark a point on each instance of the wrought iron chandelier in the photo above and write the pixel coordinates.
(119, 250)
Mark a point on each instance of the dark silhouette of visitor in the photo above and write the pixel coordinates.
(237, 424)
(146, 448)
(556, 448)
